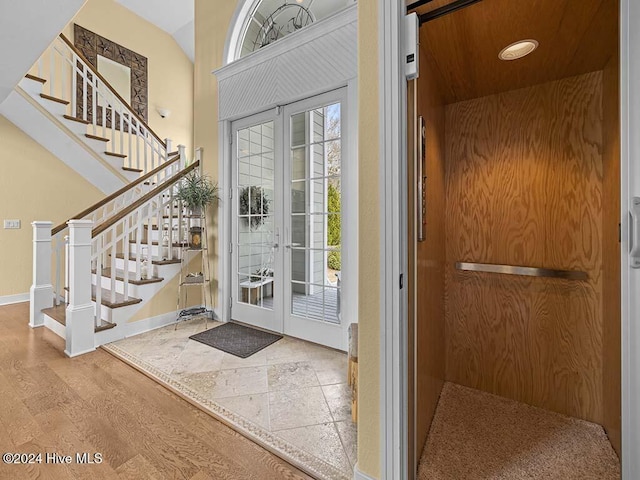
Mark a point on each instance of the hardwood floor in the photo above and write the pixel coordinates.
(97, 404)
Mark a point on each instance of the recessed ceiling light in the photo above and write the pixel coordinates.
(518, 49)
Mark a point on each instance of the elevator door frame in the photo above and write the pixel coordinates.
(630, 281)
(394, 368)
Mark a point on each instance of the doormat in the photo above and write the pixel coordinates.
(236, 339)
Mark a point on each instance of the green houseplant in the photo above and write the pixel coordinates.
(197, 191)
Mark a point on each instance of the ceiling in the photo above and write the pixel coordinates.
(575, 37)
(176, 17)
(173, 16)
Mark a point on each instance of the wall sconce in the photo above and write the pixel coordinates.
(164, 112)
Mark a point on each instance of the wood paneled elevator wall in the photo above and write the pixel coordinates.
(524, 187)
(527, 175)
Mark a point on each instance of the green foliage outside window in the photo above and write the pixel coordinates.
(334, 227)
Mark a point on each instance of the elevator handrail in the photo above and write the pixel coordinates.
(520, 270)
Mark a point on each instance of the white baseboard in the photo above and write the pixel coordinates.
(129, 329)
(152, 323)
(17, 298)
(358, 475)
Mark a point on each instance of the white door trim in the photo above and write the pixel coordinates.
(393, 240)
(630, 281)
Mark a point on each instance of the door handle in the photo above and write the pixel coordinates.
(634, 225)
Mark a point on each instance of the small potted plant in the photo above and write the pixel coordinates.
(196, 192)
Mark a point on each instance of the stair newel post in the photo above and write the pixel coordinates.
(80, 312)
(41, 291)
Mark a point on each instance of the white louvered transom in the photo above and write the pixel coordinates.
(313, 60)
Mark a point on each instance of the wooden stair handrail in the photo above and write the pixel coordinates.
(142, 200)
(116, 194)
(94, 70)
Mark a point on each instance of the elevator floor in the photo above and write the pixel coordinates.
(479, 436)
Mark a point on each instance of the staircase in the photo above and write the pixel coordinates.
(95, 271)
(68, 107)
(109, 259)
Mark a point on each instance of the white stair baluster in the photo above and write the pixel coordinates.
(74, 84)
(125, 248)
(100, 264)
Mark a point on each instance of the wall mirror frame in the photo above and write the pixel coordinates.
(93, 45)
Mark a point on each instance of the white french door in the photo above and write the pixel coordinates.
(287, 219)
(257, 274)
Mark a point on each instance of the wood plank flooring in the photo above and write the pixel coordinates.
(97, 404)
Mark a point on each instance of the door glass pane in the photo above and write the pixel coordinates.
(315, 222)
(255, 233)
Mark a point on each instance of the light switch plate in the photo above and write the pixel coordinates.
(12, 224)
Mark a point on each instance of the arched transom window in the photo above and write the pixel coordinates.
(271, 20)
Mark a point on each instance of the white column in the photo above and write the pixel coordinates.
(41, 291)
(80, 312)
(169, 145)
(183, 156)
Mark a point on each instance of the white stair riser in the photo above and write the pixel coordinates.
(32, 87)
(130, 265)
(134, 290)
(155, 250)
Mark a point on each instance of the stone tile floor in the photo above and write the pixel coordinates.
(292, 389)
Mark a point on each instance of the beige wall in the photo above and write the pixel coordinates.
(34, 185)
(170, 71)
(369, 245)
(212, 25)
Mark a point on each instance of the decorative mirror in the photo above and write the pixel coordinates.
(115, 63)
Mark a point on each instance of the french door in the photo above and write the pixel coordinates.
(287, 219)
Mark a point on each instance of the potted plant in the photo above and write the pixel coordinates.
(196, 192)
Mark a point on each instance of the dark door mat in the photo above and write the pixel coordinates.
(236, 339)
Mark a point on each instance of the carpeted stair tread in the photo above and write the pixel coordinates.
(477, 435)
